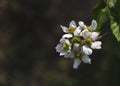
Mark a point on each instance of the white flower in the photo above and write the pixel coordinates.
(94, 35)
(86, 59)
(86, 50)
(63, 47)
(85, 33)
(67, 36)
(59, 49)
(93, 25)
(66, 30)
(76, 63)
(78, 41)
(96, 45)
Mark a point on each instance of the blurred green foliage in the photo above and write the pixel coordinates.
(29, 32)
(109, 9)
(114, 12)
(100, 13)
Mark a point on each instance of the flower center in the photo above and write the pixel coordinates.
(65, 46)
(76, 39)
(89, 29)
(88, 40)
(71, 29)
(78, 54)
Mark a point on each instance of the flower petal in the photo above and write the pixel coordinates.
(93, 25)
(94, 35)
(59, 50)
(58, 47)
(63, 40)
(85, 33)
(86, 50)
(96, 45)
(65, 29)
(76, 46)
(73, 24)
(82, 25)
(62, 53)
(86, 59)
(67, 42)
(67, 36)
(77, 31)
(76, 63)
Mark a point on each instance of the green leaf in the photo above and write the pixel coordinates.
(114, 13)
(115, 29)
(100, 13)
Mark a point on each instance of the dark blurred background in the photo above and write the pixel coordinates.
(29, 32)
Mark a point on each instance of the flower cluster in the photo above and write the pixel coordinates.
(78, 41)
